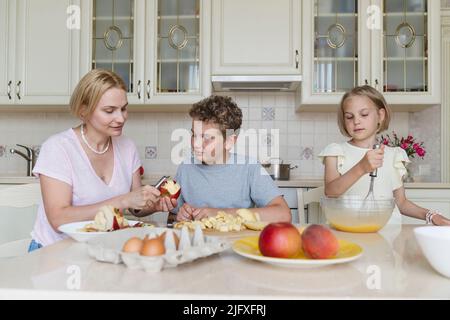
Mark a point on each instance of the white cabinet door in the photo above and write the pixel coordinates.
(406, 52)
(116, 41)
(256, 37)
(47, 50)
(336, 46)
(177, 52)
(6, 80)
(396, 49)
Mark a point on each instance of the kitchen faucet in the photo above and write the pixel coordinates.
(30, 157)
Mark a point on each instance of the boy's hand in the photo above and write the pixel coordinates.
(185, 213)
(201, 213)
(372, 160)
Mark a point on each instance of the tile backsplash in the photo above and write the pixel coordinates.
(301, 135)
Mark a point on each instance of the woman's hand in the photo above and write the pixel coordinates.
(372, 160)
(142, 197)
(165, 204)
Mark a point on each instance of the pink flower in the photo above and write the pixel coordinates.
(421, 152)
(404, 146)
(386, 141)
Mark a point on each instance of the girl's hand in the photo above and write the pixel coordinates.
(142, 197)
(440, 220)
(372, 160)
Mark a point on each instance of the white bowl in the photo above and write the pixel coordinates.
(435, 244)
(356, 214)
(73, 230)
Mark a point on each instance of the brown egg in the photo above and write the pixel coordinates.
(153, 247)
(133, 245)
(175, 238)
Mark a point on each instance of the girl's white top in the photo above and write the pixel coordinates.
(389, 176)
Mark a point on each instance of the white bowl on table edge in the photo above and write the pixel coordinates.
(72, 230)
(435, 244)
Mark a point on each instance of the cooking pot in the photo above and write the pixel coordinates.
(279, 171)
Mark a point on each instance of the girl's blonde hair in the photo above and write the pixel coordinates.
(375, 96)
(90, 89)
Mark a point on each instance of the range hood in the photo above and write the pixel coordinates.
(248, 83)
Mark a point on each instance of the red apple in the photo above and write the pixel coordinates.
(170, 189)
(280, 240)
(319, 242)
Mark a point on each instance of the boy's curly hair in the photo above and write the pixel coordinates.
(221, 110)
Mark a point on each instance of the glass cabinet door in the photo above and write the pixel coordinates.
(405, 38)
(113, 35)
(178, 45)
(335, 45)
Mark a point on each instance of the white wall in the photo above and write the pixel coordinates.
(300, 133)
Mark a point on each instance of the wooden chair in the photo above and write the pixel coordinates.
(19, 205)
(305, 198)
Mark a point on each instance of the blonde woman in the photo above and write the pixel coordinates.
(92, 165)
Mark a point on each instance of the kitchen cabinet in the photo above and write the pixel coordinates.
(393, 46)
(20, 221)
(5, 82)
(445, 108)
(256, 37)
(438, 199)
(290, 195)
(159, 47)
(39, 52)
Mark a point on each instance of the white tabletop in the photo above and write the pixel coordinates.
(392, 267)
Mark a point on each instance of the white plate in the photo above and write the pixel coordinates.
(72, 230)
(248, 247)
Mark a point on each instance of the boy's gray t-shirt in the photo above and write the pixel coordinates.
(241, 183)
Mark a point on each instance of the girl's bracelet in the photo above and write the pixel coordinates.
(430, 214)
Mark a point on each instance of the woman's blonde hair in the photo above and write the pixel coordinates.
(375, 96)
(90, 89)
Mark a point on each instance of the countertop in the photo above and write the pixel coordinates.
(393, 254)
(292, 183)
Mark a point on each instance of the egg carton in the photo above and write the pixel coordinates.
(192, 246)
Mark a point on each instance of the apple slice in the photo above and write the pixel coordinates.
(170, 189)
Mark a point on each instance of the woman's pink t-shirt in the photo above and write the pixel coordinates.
(63, 158)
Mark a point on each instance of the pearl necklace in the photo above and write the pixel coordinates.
(83, 137)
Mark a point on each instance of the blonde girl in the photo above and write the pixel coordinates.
(364, 113)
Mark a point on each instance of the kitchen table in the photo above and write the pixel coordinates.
(392, 266)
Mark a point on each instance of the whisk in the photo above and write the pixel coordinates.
(369, 204)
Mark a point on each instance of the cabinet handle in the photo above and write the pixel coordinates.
(366, 82)
(9, 90)
(148, 89)
(376, 84)
(18, 90)
(296, 59)
(139, 89)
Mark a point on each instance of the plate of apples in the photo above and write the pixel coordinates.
(283, 244)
